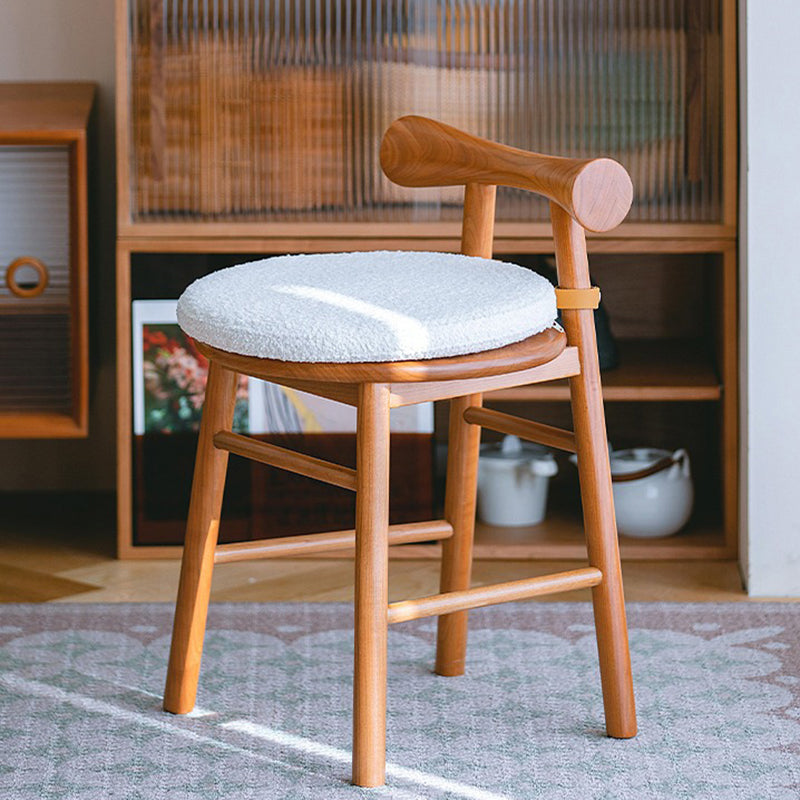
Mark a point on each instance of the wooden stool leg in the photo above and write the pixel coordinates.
(595, 477)
(371, 586)
(201, 539)
(601, 540)
(603, 546)
(459, 510)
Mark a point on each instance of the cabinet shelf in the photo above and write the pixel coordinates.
(662, 369)
(560, 537)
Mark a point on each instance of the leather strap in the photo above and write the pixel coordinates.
(578, 298)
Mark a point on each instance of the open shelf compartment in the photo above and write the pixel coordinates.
(650, 369)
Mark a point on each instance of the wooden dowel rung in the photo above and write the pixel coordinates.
(524, 428)
(496, 593)
(311, 543)
(286, 459)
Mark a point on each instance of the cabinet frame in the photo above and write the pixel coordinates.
(510, 237)
(57, 114)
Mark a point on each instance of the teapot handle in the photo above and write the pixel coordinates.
(681, 457)
(663, 463)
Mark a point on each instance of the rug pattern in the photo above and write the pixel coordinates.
(717, 689)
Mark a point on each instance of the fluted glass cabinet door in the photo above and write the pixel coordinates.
(251, 110)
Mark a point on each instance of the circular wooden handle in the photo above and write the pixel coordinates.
(37, 266)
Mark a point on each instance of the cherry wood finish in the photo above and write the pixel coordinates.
(595, 480)
(477, 233)
(315, 543)
(56, 114)
(477, 226)
(371, 586)
(202, 531)
(531, 352)
(404, 393)
(459, 510)
(525, 429)
(421, 152)
(276, 456)
(410, 393)
(564, 365)
(372, 533)
(59, 109)
(449, 604)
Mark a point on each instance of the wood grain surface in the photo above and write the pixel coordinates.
(417, 151)
(531, 352)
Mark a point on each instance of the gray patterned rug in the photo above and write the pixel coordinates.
(717, 686)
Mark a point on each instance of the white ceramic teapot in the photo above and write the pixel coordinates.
(653, 491)
(513, 481)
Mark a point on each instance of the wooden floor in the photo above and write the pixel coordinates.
(63, 552)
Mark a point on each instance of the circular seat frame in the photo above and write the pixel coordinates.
(531, 352)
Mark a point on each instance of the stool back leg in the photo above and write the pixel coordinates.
(371, 585)
(601, 539)
(477, 233)
(459, 510)
(596, 491)
(202, 530)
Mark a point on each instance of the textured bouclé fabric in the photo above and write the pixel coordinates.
(356, 307)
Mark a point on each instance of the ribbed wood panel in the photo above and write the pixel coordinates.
(34, 218)
(35, 364)
(255, 109)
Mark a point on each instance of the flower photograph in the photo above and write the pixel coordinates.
(170, 374)
(175, 375)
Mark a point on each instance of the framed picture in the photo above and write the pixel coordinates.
(169, 381)
(170, 374)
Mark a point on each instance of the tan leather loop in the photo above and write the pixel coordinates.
(578, 298)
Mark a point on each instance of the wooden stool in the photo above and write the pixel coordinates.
(584, 194)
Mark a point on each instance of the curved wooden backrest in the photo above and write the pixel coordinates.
(417, 151)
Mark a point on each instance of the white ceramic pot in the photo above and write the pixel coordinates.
(513, 480)
(653, 491)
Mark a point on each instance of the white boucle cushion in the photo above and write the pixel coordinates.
(355, 307)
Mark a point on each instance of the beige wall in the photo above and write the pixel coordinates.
(73, 40)
(770, 324)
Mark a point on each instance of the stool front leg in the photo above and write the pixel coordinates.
(371, 586)
(459, 510)
(202, 530)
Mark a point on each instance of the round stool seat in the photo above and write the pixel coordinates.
(366, 307)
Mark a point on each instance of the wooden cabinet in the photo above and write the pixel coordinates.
(675, 322)
(44, 257)
(256, 132)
